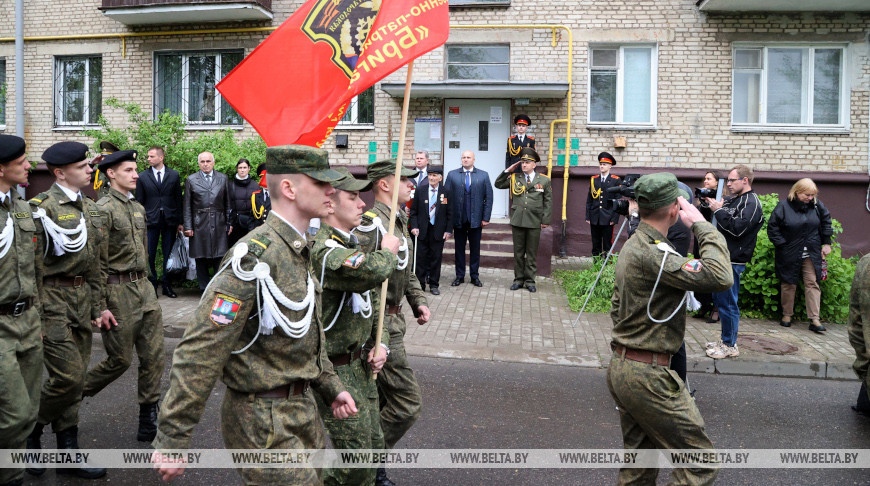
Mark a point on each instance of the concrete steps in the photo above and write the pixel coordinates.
(497, 248)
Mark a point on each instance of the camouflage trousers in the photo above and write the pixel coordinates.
(140, 326)
(360, 432)
(248, 422)
(66, 327)
(20, 380)
(399, 394)
(656, 412)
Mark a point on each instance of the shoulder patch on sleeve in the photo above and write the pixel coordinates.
(257, 245)
(693, 266)
(224, 310)
(354, 260)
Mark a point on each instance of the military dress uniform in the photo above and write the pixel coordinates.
(101, 181)
(348, 273)
(130, 297)
(859, 331)
(20, 343)
(516, 143)
(531, 206)
(601, 217)
(655, 408)
(269, 373)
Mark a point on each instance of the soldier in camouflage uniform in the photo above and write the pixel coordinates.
(268, 403)
(859, 332)
(399, 393)
(131, 316)
(20, 343)
(69, 232)
(101, 181)
(655, 408)
(349, 313)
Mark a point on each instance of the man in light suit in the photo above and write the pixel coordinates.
(159, 192)
(430, 223)
(206, 216)
(471, 196)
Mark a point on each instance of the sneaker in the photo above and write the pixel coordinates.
(724, 352)
(713, 344)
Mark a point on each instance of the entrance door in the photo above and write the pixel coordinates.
(482, 126)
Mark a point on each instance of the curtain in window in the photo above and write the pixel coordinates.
(637, 85)
(603, 97)
(169, 84)
(785, 85)
(826, 86)
(228, 115)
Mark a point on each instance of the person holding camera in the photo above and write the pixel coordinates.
(739, 219)
(599, 214)
(800, 230)
(708, 188)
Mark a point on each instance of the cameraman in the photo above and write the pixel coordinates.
(739, 219)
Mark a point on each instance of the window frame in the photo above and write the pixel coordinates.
(353, 109)
(808, 73)
(58, 115)
(618, 124)
(4, 98)
(447, 62)
(185, 55)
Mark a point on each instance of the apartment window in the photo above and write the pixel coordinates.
(185, 84)
(480, 3)
(782, 86)
(478, 62)
(78, 90)
(3, 88)
(622, 86)
(361, 111)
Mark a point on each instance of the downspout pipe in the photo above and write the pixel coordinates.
(19, 73)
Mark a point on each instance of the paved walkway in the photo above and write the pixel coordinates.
(494, 323)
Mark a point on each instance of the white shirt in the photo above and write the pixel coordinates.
(159, 174)
(5, 195)
(290, 225)
(72, 195)
(421, 178)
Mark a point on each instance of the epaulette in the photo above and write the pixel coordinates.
(531, 137)
(40, 198)
(513, 136)
(258, 244)
(338, 240)
(368, 217)
(596, 175)
(102, 201)
(614, 176)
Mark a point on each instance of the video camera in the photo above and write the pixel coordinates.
(624, 189)
(704, 192)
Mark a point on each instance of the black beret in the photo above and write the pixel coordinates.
(65, 153)
(261, 168)
(524, 119)
(11, 147)
(435, 170)
(606, 157)
(107, 148)
(528, 153)
(116, 158)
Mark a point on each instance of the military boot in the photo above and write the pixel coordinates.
(381, 478)
(34, 444)
(69, 439)
(147, 422)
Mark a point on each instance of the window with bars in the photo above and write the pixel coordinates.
(78, 90)
(622, 85)
(486, 62)
(3, 87)
(184, 83)
(796, 86)
(361, 111)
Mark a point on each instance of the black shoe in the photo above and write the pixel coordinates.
(531, 288)
(69, 439)
(381, 478)
(434, 291)
(714, 317)
(817, 328)
(147, 422)
(34, 444)
(476, 282)
(167, 291)
(457, 282)
(516, 286)
(785, 323)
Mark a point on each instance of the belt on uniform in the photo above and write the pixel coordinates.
(343, 359)
(16, 308)
(394, 309)
(298, 387)
(641, 356)
(76, 281)
(125, 277)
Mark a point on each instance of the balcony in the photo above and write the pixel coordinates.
(150, 12)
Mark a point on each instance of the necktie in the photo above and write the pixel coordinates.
(467, 180)
(420, 179)
(208, 179)
(433, 199)
(528, 179)
(158, 177)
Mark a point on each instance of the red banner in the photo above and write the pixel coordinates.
(296, 85)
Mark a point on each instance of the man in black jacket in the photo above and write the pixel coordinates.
(430, 222)
(599, 215)
(159, 191)
(739, 220)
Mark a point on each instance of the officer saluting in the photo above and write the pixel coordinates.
(600, 217)
(130, 313)
(21, 368)
(649, 328)
(69, 232)
(518, 141)
(101, 181)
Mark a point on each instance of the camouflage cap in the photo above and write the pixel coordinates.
(300, 159)
(387, 167)
(655, 191)
(350, 183)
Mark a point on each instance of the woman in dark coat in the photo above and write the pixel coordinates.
(241, 188)
(708, 310)
(800, 230)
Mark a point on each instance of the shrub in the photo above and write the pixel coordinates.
(578, 283)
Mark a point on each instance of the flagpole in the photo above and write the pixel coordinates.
(395, 202)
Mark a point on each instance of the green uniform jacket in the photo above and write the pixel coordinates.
(224, 323)
(17, 267)
(124, 248)
(403, 283)
(859, 318)
(636, 271)
(534, 205)
(101, 184)
(85, 262)
(348, 270)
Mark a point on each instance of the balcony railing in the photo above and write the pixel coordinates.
(142, 12)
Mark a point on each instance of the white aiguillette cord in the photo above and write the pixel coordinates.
(666, 249)
(63, 238)
(403, 248)
(361, 304)
(7, 236)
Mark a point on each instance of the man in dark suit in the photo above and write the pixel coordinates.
(600, 217)
(430, 223)
(517, 142)
(159, 191)
(471, 196)
(206, 216)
